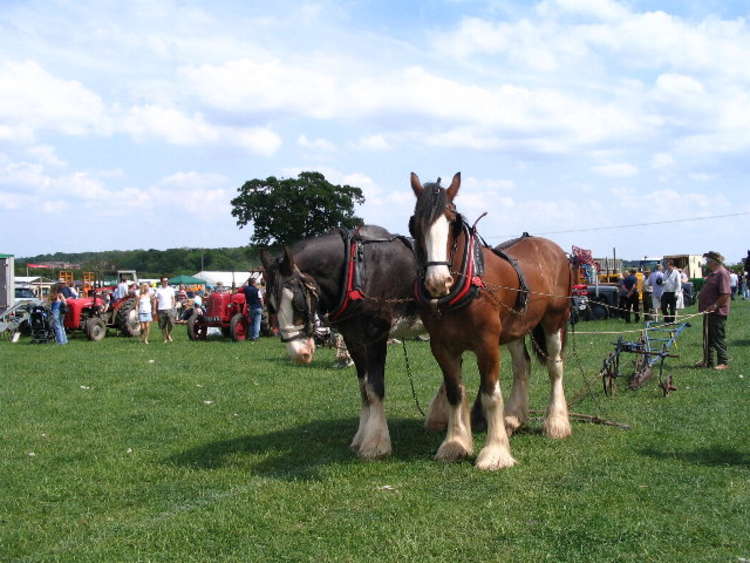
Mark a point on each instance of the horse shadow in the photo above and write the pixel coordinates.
(713, 456)
(740, 342)
(301, 452)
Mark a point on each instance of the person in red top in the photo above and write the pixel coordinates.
(714, 300)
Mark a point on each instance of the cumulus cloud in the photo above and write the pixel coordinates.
(33, 100)
(175, 127)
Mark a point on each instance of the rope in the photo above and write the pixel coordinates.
(411, 379)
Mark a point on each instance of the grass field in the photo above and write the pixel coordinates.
(117, 451)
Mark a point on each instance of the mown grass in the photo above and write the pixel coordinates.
(221, 451)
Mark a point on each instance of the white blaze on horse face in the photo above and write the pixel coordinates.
(438, 279)
(300, 350)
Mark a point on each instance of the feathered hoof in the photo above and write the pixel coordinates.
(492, 459)
(512, 423)
(557, 427)
(452, 451)
(375, 448)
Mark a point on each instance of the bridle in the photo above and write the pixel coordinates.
(455, 220)
(305, 294)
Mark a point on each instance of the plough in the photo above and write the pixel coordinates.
(653, 347)
(12, 318)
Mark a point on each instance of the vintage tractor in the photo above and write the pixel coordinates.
(225, 310)
(90, 315)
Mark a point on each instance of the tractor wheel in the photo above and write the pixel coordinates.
(238, 327)
(598, 311)
(196, 328)
(127, 319)
(95, 329)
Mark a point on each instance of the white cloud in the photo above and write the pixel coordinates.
(46, 154)
(32, 100)
(616, 170)
(177, 128)
(318, 144)
(662, 160)
(374, 143)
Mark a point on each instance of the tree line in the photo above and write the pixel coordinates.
(150, 263)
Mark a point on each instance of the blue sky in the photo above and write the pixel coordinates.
(131, 125)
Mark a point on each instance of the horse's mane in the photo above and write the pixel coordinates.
(430, 205)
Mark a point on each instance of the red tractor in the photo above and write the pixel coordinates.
(90, 315)
(225, 310)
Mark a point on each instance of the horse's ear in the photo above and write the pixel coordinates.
(287, 264)
(416, 185)
(453, 188)
(265, 258)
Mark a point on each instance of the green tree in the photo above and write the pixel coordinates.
(286, 210)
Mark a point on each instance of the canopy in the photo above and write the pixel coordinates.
(186, 280)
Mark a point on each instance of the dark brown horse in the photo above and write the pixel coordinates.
(476, 298)
(362, 283)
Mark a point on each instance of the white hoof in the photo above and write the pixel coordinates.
(492, 458)
(557, 427)
(375, 447)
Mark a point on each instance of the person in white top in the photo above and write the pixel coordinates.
(672, 284)
(165, 308)
(655, 281)
(121, 291)
(145, 307)
(733, 283)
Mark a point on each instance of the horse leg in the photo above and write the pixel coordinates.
(517, 409)
(458, 442)
(556, 422)
(376, 440)
(360, 363)
(496, 452)
(437, 412)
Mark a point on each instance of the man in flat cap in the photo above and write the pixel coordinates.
(714, 300)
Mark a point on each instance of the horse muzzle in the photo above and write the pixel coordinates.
(301, 351)
(438, 284)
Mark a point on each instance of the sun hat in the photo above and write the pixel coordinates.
(715, 256)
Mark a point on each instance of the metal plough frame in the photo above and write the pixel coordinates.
(653, 347)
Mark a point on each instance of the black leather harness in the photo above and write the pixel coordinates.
(353, 281)
(469, 282)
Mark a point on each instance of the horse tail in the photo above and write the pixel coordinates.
(538, 336)
(539, 343)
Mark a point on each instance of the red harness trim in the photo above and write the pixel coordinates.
(350, 294)
(470, 279)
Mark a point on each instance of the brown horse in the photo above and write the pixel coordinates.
(475, 298)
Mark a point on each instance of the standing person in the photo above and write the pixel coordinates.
(631, 297)
(121, 290)
(145, 308)
(165, 306)
(254, 308)
(58, 306)
(656, 282)
(733, 283)
(672, 284)
(714, 300)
